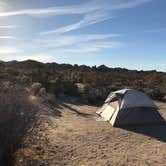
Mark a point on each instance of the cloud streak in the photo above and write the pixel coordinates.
(93, 12)
(66, 44)
(94, 47)
(89, 19)
(7, 37)
(92, 43)
(77, 9)
(8, 50)
(68, 40)
(8, 26)
(102, 11)
(2, 6)
(55, 11)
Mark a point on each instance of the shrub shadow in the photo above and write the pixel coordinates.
(80, 102)
(75, 111)
(59, 104)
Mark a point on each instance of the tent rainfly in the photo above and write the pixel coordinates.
(130, 107)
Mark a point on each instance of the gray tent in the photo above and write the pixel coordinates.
(129, 107)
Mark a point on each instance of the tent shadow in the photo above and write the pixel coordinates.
(154, 131)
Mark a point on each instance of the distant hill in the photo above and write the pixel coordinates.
(33, 63)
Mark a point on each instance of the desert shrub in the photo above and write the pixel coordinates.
(55, 87)
(12, 72)
(38, 90)
(156, 94)
(16, 117)
(69, 88)
(59, 79)
(88, 93)
(156, 79)
(49, 99)
(35, 88)
(82, 88)
(42, 92)
(25, 80)
(59, 87)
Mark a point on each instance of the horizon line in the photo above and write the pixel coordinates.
(90, 66)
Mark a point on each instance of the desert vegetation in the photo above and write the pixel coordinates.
(89, 83)
(17, 116)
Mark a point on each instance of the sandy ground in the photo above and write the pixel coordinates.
(78, 137)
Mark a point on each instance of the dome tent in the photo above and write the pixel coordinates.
(129, 107)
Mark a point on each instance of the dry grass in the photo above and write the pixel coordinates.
(16, 114)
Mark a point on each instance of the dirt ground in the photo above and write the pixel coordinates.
(76, 136)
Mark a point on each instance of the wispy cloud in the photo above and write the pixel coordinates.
(8, 26)
(95, 47)
(65, 44)
(91, 43)
(7, 37)
(2, 5)
(89, 19)
(102, 11)
(122, 4)
(68, 40)
(8, 50)
(77, 9)
(84, 8)
(93, 12)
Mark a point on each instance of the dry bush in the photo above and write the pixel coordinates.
(35, 88)
(156, 94)
(25, 80)
(42, 92)
(69, 88)
(60, 79)
(16, 117)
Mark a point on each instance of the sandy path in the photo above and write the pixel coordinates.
(77, 139)
(81, 140)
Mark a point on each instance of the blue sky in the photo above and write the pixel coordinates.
(117, 33)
